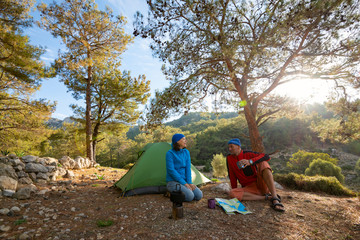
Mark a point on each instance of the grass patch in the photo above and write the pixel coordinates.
(329, 185)
(104, 223)
(20, 221)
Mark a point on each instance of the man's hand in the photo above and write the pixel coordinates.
(244, 162)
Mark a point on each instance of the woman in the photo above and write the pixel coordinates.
(178, 169)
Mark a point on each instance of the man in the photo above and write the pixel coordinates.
(253, 172)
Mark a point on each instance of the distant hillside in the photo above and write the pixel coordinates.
(186, 120)
(57, 123)
(198, 116)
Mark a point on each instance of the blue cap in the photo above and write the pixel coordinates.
(177, 137)
(235, 141)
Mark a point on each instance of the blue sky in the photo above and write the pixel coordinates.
(138, 59)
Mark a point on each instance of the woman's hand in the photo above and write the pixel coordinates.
(190, 186)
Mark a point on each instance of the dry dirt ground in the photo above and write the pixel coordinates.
(72, 211)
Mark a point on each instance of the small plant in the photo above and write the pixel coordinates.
(20, 153)
(214, 180)
(59, 165)
(99, 177)
(95, 185)
(104, 223)
(5, 152)
(20, 221)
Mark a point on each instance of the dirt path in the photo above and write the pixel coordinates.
(72, 211)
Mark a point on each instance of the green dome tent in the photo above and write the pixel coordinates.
(148, 175)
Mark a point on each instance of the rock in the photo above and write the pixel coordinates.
(4, 160)
(41, 181)
(4, 228)
(21, 174)
(32, 176)
(12, 156)
(51, 161)
(35, 168)
(43, 191)
(16, 162)
(65, 162)
(41, 175)
(24, 236)
(18, 168)
(8, 193)
(15, 209)
(60, 172)
(8, 183)
(29, 159)
(25, 181)
(7, 171)
(4, 211)
(222, 187)
(70, 174)
(278, 186)
(51, 168)
(23, 193)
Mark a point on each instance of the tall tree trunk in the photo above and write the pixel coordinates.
(255, 138)
(95, 138)
(89, 143)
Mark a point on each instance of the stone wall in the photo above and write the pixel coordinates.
(20, 175)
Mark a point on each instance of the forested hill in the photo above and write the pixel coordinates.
(55, 123)
(185, 120)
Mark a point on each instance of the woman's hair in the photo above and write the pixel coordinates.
(176, 146)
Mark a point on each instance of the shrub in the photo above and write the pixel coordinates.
(219, 165)
(357, 167)
(324, 168)
(329, 185)
(301, 160)
(128, 166)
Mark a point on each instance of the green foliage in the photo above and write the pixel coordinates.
(285, 133)
(5, 152)
(352, 147)
(214, 140)
(302, 159)
(357, 168)
(21, 71)
(344, 127)
(128, 166)
(20, 153)
(20, 221)
(324, 168)
(210, 49)
(94, 41)
(99, 177)
(104, 223)
(66, 141)
(219, 165)
(329, 185)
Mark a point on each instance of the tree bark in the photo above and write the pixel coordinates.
(95, 137)
(89, 142)
(255, 138)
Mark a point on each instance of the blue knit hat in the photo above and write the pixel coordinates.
(235, 141)
(177, 137)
